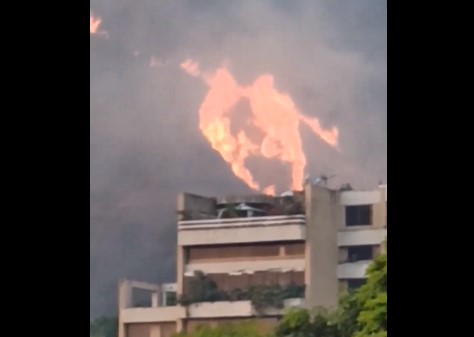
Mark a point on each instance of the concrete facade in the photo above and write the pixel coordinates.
(323, 214)
(322, 239)
(280, 228)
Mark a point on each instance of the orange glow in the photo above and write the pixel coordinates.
(273, 112)
(95, 23)
(190, 67)
(269, 190)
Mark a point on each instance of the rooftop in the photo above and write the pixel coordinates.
(194, 207)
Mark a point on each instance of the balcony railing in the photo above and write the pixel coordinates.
(243, 222)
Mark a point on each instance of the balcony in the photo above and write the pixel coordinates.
(241, 230)
(248, 266)
(357, 237)
(357, 198)
(152, 314)
(354, 270)
(203, 310)
(238, 309)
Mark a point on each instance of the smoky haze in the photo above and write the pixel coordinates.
(145, 144)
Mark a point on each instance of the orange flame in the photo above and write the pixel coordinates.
(273, 112)
(95, 23)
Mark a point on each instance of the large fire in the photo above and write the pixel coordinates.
(273, 112)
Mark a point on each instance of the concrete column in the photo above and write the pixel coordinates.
(180, 265)
(281, 251)
(121, 330)
(343, 254)
(180, 325)
(181, 206)
(124, 302)
(155, 331)
(125, 294)
(163, 299)
(155, 299)
(321, 252)
(379, 216)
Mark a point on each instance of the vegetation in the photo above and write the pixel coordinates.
(371, 299)
(292, 205)
(228, 330)
(203, 289)
(362, 313)
(288, 205)
(230, 212)
(300, 323)
(104, 327)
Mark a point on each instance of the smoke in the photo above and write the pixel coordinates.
(330, 56)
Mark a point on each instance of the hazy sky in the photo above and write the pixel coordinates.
(330, 56)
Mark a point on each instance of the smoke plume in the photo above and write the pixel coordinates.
(145, 145)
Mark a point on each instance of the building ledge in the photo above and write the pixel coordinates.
(242, 230)
(238, 309)
(353, 270)
(357, 198)
(203, 310)
(361, 236)
(152, 314)
(246, 267)
(241, 222)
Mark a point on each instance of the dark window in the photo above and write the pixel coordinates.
(170, 298)
(359, 215)
(353, 284)
(141, 298)
(360, 253)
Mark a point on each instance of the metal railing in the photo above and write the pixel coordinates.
(243, 222)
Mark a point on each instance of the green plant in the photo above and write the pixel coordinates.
(104, 327)
(372, 301)
(362, 313)
(228, 330)
(297, 322)
(203, 289)
(230, 212)
(291, 205)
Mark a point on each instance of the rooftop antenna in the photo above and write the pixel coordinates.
(324, 178)
(320, 179)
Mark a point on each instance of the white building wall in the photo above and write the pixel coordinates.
(361, 237)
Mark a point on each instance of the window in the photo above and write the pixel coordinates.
(141, 298)
(353, 284)
(359, 215)
(168, 299)
(360, 253)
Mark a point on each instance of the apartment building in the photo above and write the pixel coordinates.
(259, 255)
